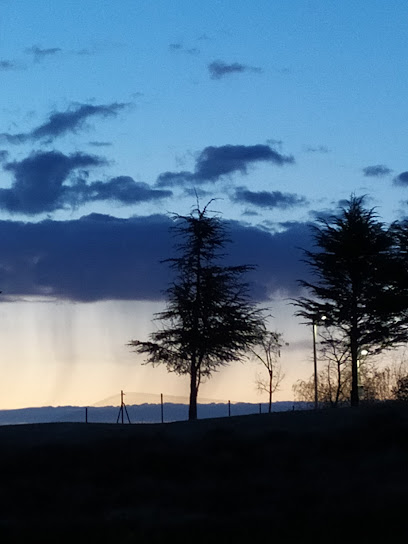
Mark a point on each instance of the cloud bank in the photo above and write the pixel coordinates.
(49, 181)
(99, 257)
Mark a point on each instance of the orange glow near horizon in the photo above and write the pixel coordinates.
(61, 353)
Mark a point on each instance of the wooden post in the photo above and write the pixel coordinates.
(260, 408)
(122, 409)
(86, 414)
(161, 407)
(229, 408)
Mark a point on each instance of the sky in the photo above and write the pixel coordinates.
(115, 115)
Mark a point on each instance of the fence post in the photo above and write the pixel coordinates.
(260, 408)
(161, 407)
(229, 408)
(86, 414)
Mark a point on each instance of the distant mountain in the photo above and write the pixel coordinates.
(138, 413)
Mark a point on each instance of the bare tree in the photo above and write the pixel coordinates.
(400, 390)
(267, 352)
(378, 381)
(334, 351)
(334, 379)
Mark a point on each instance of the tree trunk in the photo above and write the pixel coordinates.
(339, 384)
(354, 341)
(354, 366)
(192, 409)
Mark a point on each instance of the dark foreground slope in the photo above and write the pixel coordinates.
(331, 476)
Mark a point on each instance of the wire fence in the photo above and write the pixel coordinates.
(130, 407)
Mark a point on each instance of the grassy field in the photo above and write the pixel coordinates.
(330, 476)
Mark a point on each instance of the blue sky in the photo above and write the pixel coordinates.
(114, 113)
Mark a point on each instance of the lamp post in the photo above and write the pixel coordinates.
(314, 328)
(360, 386)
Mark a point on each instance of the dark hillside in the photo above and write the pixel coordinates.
(331, 476)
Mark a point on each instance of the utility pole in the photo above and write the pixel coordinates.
(314, 326)
(122, 410)
(316, 399)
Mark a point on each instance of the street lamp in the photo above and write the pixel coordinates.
(316, 319)
(360, 386)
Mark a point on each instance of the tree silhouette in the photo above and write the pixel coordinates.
(267, 352)
(209, 320)
(380, 383)
(336, 355)
(401, 389)
(399, 232)
(356, 283)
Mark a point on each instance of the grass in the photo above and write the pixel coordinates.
(330, 476)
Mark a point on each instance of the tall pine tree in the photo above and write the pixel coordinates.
(355, 284)
(210, 319)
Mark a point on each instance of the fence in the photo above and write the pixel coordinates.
(139, 408)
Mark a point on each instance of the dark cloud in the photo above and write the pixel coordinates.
(178, 47)
(333, 212)
(274, 143)
(38, 181)
(40, 53)
(83, 52)
(196, 192)
(401, 179)
(317, 149)
(7, 65)
(342, 203)
(3, 155)
(61, 123)
(268, 199)
(99, 257)
(322, 215)
(13, 138)
(250, 213)
(94, 258)
(277, 256)
(377, 171)
(170, 179)
(123, 189)
(215, 162)
(175, 47)
(219, 69)
(100, 144)
(45, 182)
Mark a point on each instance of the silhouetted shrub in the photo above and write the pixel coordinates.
(401, 390)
